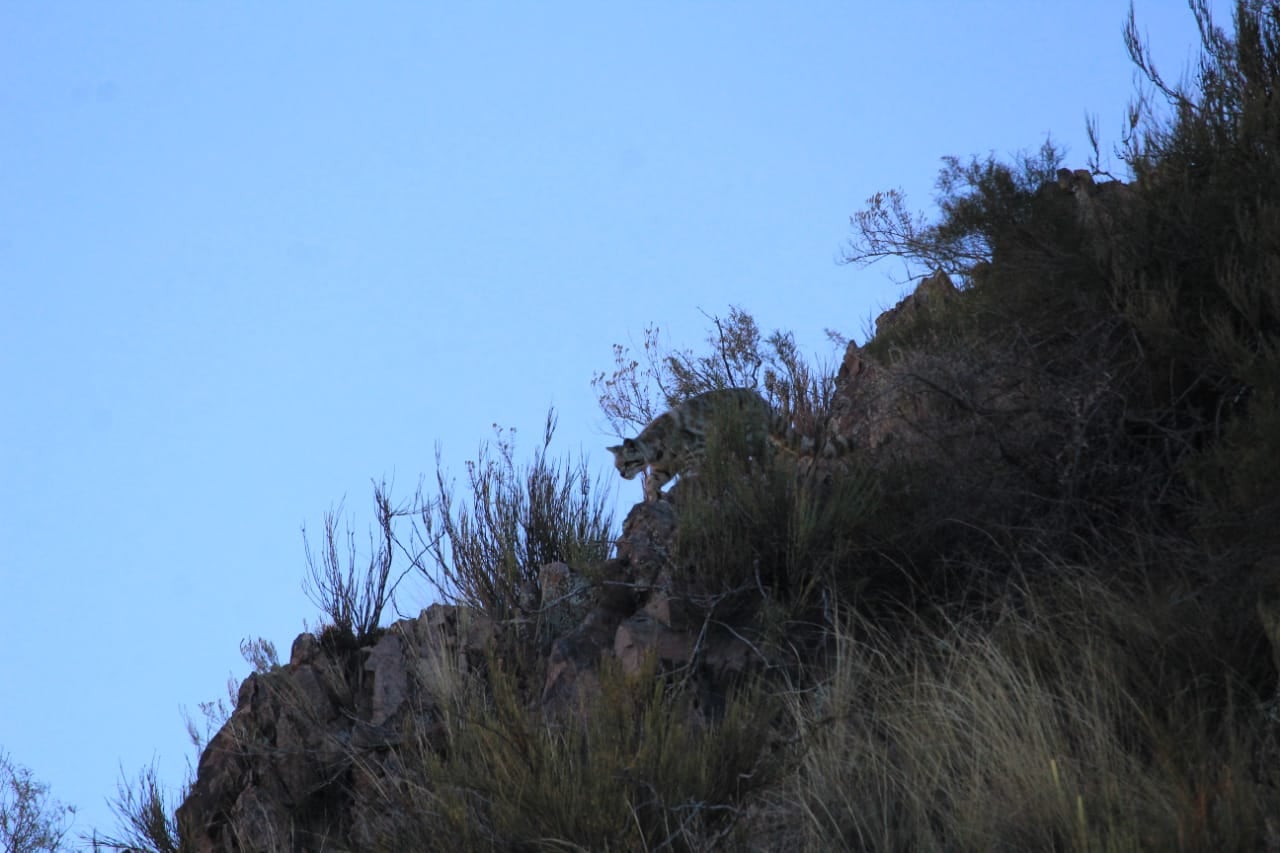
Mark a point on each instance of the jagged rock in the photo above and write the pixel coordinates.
(388, 663)
(463, 629)
(305, 647)
(1100, 209)
(874, 404)
(641, 635)
(643, 549)
(260, 772)
(877, 401)
(571, 666)
(564, 598)
(667, 611)
(931, 294)
(574, 656)
(278, 774)
(929, 404)
(859, 403)
(647, 535)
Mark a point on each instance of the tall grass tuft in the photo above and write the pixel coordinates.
(1059, 724)
(635, 767)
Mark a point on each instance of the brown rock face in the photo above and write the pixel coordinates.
(879, 401)
(280, 774)
(308, 756)
(576, 652)
(931, 293)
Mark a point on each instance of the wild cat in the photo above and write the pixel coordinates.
(675, 442)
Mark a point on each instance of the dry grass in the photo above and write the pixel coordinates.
(1042, 731)
(636, 767)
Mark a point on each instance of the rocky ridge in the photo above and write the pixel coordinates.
(281, 774)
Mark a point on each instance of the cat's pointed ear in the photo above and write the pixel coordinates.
(617, 448)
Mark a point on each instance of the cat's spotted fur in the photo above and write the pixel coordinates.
(676, 441)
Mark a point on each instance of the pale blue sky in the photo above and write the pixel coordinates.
(254, 255)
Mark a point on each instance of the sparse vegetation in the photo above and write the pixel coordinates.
(145, 817)
(739, 357)
(31, 820)
(353, 598)
(987, 210)
(519, 518)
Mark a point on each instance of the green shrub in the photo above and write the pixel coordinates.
(759, 530)
(1205, 293)
(1121, 377)
(759, 525)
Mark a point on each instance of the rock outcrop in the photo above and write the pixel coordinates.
(309, 738)
(280, 774)
(1100, 209)
(930, 296)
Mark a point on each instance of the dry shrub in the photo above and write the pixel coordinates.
(480, 552)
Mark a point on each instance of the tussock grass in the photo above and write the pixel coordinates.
(636, 768)
(1064, 724)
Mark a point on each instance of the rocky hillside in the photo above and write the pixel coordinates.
(1034, 607)
(312, 747)
(977, 443)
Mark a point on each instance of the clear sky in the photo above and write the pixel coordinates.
(253, 256)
